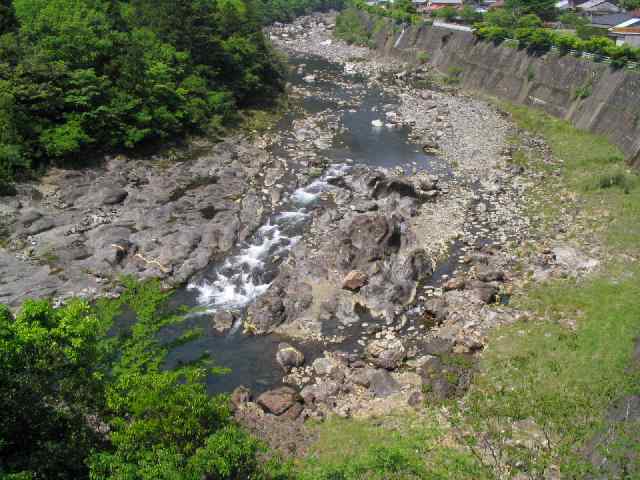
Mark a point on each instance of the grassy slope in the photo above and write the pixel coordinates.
(554, 382)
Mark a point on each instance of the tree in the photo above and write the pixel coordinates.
(49, 384)
(65, 384)
(469, 15)
(545, 9)
(8, 21)
(446, 13)
(630, 4)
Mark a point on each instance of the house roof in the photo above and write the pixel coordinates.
(610, 20)
(629, 23)
(595, 5)
(626, 31)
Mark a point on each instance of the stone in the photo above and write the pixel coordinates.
(29, 216)
(278, 400)
(222, 320)
(324, 366)
(436, 309)
(456, 283)
(354, 280)
(240, 396)
(386, 353)
(112, 195)
(416, 399)
(293, 412)
(41, 225)
(488, 274)
(289, 357)
(484, 292)
(326, 389)
(437, 346)
(382, 384)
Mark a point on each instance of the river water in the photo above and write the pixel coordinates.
(244, 275)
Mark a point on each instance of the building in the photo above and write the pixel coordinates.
(627, 33)
(596, 7)
(607, 22)
(437, 4)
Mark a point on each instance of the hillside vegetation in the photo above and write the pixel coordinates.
(84, 75)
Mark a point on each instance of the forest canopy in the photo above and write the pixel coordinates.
(83, 75)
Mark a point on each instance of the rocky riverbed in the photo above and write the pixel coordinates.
(375, 232)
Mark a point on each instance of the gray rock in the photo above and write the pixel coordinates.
(437, 310)
(112, 195)
(41, 225)
(386, 353)
(484, 292)
(382, 384)
(29, 216)
(324, 366)
(289, 357)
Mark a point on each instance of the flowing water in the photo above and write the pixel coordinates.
(249, 270)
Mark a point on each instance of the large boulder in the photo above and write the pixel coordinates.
(382, 384)
(112, 195)
(368, 237)
(386, 353)
(289, 357)
(278, 400)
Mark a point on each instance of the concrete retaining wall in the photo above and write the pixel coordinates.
(549, 81)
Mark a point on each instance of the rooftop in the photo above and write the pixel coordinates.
(611, 20)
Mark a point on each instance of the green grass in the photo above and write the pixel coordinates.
(396, 447)
(544, 383)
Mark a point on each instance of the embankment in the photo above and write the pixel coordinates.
(591, 95)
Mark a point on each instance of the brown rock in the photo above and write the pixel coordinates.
(456, 283)
(278, 400)
(293, 411)
(240, 396)
(355, 280)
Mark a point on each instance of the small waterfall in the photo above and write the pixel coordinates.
(247, 275)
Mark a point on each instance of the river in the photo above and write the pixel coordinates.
(245, 274)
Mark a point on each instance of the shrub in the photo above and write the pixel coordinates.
(423, 57)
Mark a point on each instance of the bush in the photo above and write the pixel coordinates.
(447, 13)
(351, 28)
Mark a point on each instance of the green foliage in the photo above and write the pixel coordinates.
(502, 24)
(422, 57)
(50, 380)
(454, 76)
(469, 15)
(582, 92)
(65, 382)
(544, 9)
(81, 75)
(573, 20)
(407, 448)
(8, 22)
(286, 10)
(351, 27)
(447, 13)
(630, 4)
